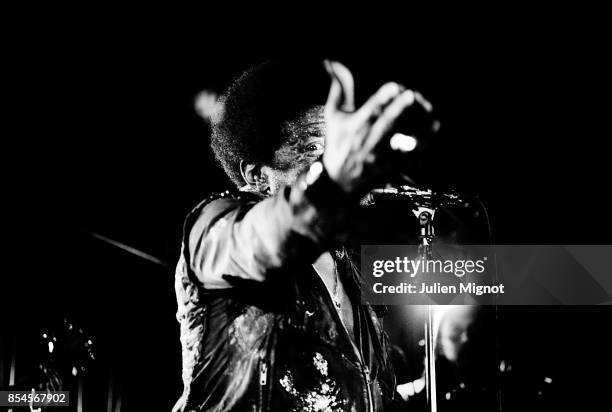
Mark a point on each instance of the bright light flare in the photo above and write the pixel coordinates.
(207, 105)
(403, 143)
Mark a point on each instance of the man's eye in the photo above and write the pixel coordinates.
(313, 147)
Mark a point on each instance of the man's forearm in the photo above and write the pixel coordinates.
(249, 241)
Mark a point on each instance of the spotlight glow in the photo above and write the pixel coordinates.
(207, 105)
(403, 143)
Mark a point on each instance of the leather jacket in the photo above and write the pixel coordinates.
(259, 330)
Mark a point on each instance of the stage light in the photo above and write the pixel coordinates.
(403, 143)
(207, 105)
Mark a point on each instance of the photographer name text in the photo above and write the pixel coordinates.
(438, 289)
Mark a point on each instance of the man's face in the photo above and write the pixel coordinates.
(454, 332)
(304, 145)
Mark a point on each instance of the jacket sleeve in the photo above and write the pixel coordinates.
(239, 237)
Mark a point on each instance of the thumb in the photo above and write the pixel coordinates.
(334, 98)
(341, 93)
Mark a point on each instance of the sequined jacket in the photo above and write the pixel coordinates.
(258, 328)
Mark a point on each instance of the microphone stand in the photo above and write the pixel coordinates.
(425, 249)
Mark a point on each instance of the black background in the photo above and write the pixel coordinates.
(107, 142)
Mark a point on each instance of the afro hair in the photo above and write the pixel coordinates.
(256, 105)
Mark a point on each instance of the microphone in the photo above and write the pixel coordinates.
(417, 196)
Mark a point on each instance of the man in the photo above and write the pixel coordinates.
(466, 362)
(268, 300)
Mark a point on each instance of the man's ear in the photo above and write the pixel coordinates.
(250, 172)
(253, 175)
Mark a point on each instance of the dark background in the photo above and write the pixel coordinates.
(109, 143)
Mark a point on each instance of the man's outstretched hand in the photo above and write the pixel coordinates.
(357, 139)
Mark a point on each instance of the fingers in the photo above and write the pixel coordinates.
(348, 86)
(334, 98)
(383, 125)
(342, 91)
(377, 102)
(423, 101)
